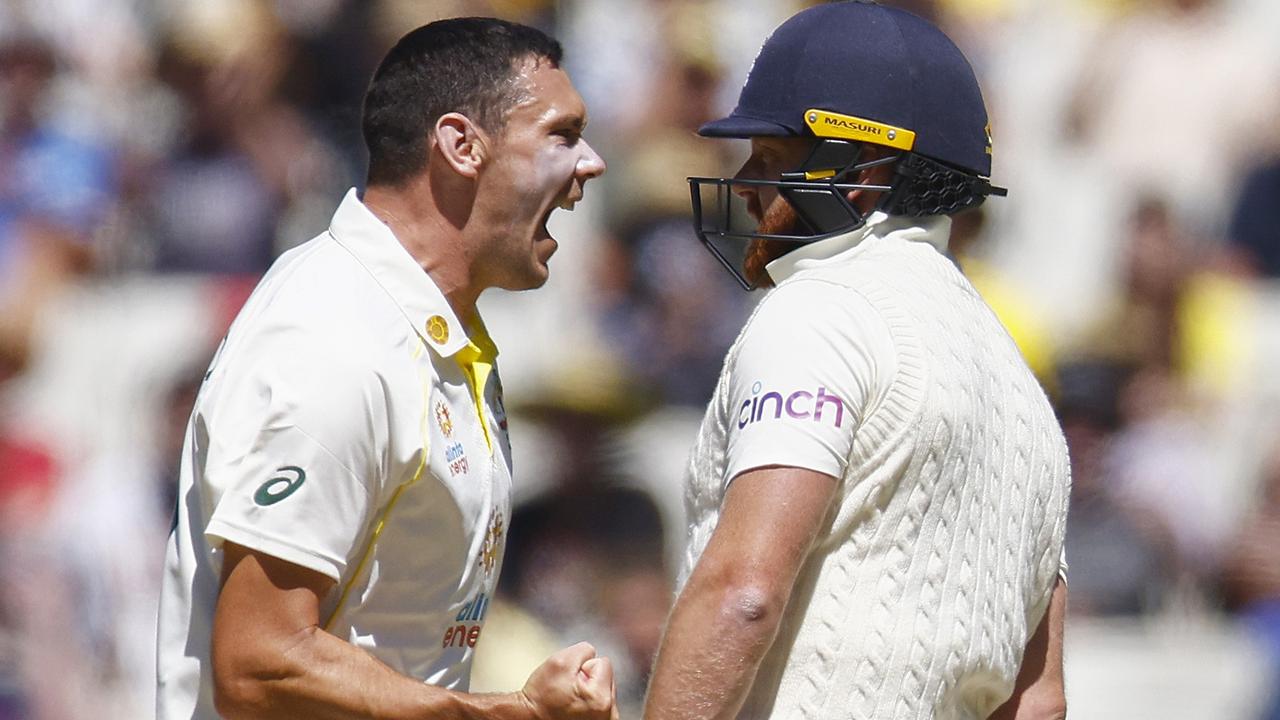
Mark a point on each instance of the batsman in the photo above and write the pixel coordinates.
(877, 496)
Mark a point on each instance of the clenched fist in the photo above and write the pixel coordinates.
(573, 684)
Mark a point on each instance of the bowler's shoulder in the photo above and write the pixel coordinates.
(320, 283)
(316, 299)
(321, 270)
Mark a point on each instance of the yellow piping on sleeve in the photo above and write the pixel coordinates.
(382, 519)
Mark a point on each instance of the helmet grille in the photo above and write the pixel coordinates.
(924, 186)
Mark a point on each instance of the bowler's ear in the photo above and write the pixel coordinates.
(461, 143)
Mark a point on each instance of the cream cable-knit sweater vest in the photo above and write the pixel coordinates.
(919, 600)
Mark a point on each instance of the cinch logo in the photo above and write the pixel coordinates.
(801, 405)
(860, 127)
(464, 635)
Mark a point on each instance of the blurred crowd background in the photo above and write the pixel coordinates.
(156, 155)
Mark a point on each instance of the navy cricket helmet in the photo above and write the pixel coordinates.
(845, 74)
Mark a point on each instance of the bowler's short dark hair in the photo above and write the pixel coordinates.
(463, 65)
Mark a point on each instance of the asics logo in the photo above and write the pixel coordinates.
(280, 486)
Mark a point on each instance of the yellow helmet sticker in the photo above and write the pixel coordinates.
(827, 124)
(819, 174)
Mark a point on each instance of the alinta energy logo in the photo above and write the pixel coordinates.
(818, 406)
(456, 456)
(470, 621)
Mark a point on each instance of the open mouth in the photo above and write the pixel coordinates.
(543, 232)
(567, 203)
(570, 199)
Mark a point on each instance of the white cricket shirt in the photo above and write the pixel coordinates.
(350, 424)
(875, 361)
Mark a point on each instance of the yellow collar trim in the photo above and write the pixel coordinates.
(477, 361)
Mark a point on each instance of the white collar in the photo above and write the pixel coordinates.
(934, 230)
(373, 244)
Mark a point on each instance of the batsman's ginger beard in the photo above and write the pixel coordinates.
(779, 219)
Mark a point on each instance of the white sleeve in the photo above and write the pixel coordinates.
(808, 365)
(293, 463)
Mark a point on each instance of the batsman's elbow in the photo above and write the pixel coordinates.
(751, 605)
(1046, 706)
(1052, 709)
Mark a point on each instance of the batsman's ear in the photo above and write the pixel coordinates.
(461, 143)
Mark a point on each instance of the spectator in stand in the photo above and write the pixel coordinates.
(1135, 108)
(1116, 551)
(670, 310)
(218, 203)
(1157, 462)
(1251, 573)
(1141, 327)
(1255, 222)
(54, 188)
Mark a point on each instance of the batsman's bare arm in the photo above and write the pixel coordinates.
(727, 616)
(272, 659)
(1040, 691)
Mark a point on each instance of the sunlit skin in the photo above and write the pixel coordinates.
(476, 217)
(770, 157)
(541, 162)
